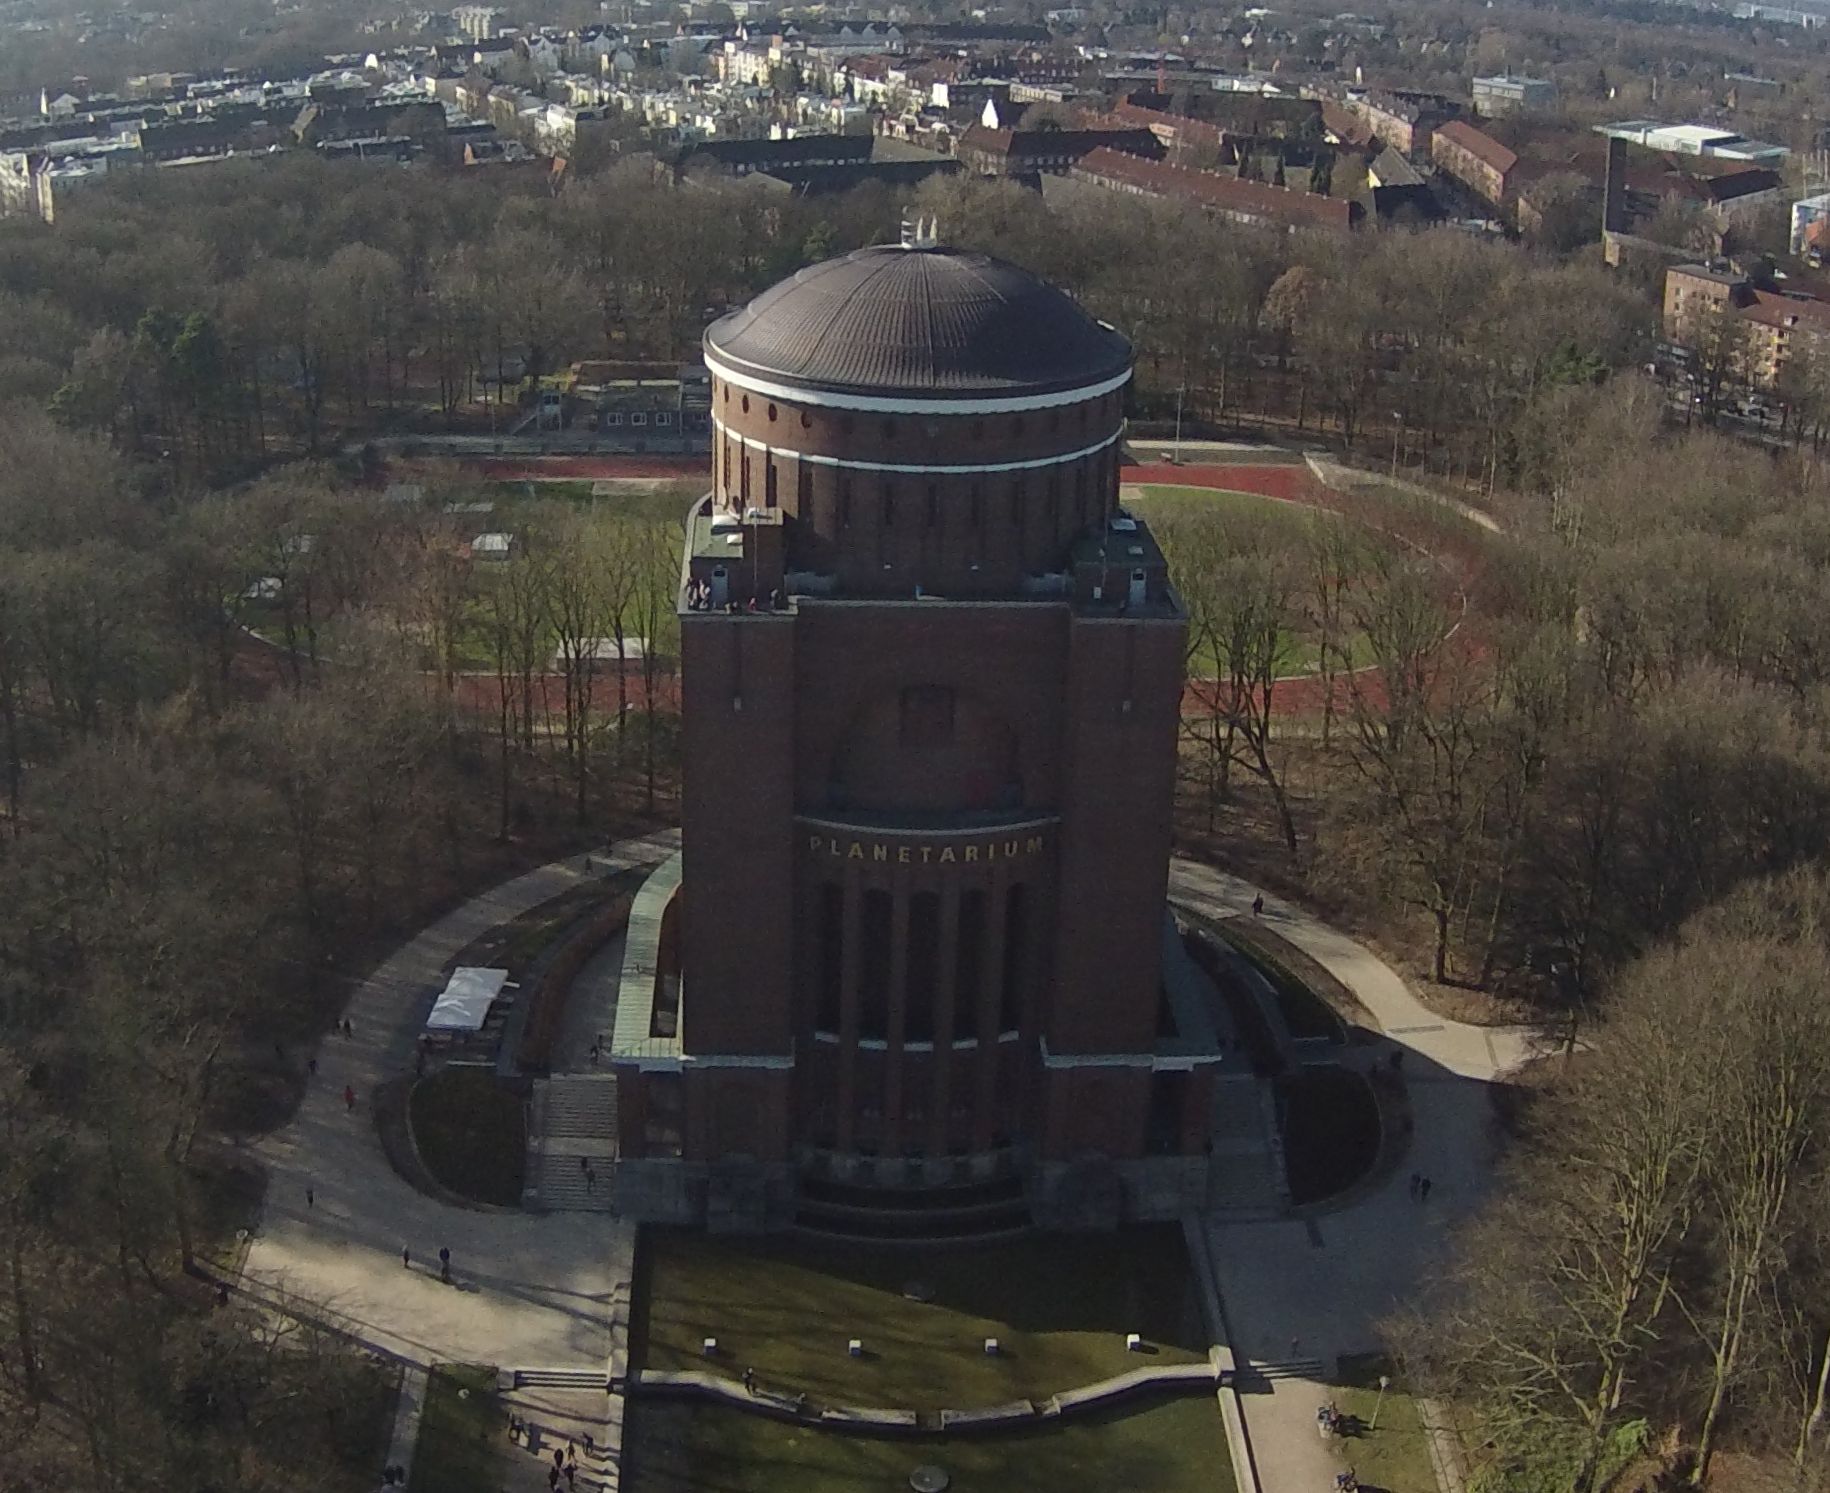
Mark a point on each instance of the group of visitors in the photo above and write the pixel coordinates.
(699, 599)
(565, 1459)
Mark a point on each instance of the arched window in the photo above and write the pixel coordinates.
(746, 404)
(771, 414)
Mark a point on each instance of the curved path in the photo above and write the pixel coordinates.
(525, 1288)
(1300, 1293)
(543, 1289)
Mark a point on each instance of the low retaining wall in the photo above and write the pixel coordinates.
(1175, 1378)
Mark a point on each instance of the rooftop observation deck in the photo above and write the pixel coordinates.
(740, 564)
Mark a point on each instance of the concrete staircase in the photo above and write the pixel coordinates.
(1246, 1170)
(1268, 1371)
(572, 1144)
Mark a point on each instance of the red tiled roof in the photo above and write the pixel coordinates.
(1484, 148)
(1169, 127)
(1773, 310)
(1345, 125)
(1209, 189)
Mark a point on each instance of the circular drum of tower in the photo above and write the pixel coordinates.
(933, 420)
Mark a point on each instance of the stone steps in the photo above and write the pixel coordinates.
(574, 1118)
(558, 1183)
(583, 1107)
(1270, 1370)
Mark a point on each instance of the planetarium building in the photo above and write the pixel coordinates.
(907, 971)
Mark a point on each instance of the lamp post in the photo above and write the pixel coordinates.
(1385, 1381)
(1397, 430)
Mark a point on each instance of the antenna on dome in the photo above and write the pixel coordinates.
(922, 233)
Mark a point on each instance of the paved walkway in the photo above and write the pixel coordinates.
(591, 1011)
(1301, 1292)
(526, 1289)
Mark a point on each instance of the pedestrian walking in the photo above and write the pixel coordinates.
(311, 1198)
(349, 1097)
(1258, 905)
(559, 1457)
(311, 1067)
(571, 1452)
(349, 1028)
(571, 1475)
(1423, 1190)
(590, 1444)
(444, 1263)
(406, 1258)
(749, 1381)
(584, 1163)
(552, 1477)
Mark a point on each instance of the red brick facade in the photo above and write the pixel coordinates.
(930, 679)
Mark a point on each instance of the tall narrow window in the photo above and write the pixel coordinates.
(889, 504)
(845, 502)
(769, 494)
(874, 966)
(923, 967)
(1016, 918)
(968, 968)
(832, 956)
(803, 489)
(743, 471)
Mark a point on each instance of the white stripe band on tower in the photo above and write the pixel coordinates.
(873, 404)
(913, 468)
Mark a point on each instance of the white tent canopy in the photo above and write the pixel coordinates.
(463, 1005)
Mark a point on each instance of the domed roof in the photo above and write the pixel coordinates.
(930, 322)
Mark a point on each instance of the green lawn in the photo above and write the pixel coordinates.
(1060, 1307)
(1174, 1446)
(1396, 1456)
(461, 1433)
(1300, 651)
(1165, 498)
(471, 1131)
(1331, 1129)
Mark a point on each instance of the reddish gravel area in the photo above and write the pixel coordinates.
(1295, 484)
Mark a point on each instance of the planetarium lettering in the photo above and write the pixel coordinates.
(881, 852)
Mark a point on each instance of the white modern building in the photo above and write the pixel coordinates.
(1695, 140)
(1809, 217)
